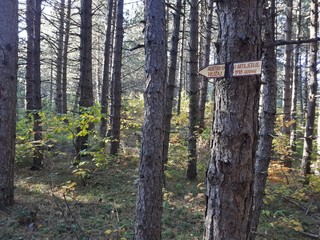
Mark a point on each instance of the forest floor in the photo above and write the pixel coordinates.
(97, 199)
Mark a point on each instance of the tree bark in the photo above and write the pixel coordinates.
(313, 86)
(230, 171)
(37, 105)
(193, 91)
(8, 97)
(171, 79)
(86, 88)
(65, 60)
(205, 62)
(267, 116)
(149, 197)
(116, 81)
(30, 14)
(106, 72)
(287, 91)
(181, 65)
(58, 99)
(295, 85)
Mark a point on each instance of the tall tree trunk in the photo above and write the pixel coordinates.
(193, 91)
(181, 68)
(116, 81)
(295, 85)
(205, 62)
(30, 14)
(230, 171)
(171, 81)
(267, 116)
(86, 88)
(313, 86)
(287, 91)
(37, 124)
(65, 59)
(149, 197)
(59, 59)
(8, 97)
(106, 72)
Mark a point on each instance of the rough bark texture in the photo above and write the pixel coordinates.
(86, 88)
(267, 117)
(205, 62)
(234, 139)
(106, 72)
(313, 86)
(149, 198)
(116, 81)
(37, 106)
(8, 97)
(171, 79)
(193, 90)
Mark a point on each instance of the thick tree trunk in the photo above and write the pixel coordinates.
(193, 90)
(267, 117)
(171, 81)
(205, 62)
(86, 88)
(58, 99)
(116, 81)
(8, 97)
(149, 198)
(106, 72)
(313, 86)
(230, 171)
(37, 106)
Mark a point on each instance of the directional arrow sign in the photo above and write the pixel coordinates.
(246, 68)
(214, 71)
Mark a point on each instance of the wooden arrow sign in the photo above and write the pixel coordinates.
(214, 71)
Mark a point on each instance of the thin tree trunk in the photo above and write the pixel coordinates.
(230, 171)
(287, 91)
(295, 85)
(106, 72)
(8, 97)
(205, 62)
(193, 91)
(30, 14)
(149, 197)
(181, 69)
(37, 124)
(116, 80)
(171, 79)
(267, 117)
(65, 60)
(313, 86)
(59, 59)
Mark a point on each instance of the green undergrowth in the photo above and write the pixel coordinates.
(96, 199)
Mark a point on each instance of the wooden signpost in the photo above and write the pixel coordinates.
(232, 69)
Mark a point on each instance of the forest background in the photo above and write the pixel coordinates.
(78, 143)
